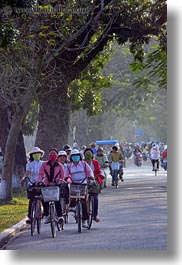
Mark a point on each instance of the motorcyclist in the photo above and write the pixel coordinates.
(164, 159)
(137, 152)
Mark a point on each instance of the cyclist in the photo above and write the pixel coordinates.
(82, 150)
(115, 159)
(101, 157)
(79, 172)
(32, 170)
(93, 147)
(62, 158)
(67, 148)
(155, 156)
(94, 164)
(51, 173)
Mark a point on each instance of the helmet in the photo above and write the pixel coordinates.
(62, 153)
(67, 147)
(75, 152)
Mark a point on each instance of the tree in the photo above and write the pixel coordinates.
(17, 92)
(65, 43)
(87, 38)
(126, 106)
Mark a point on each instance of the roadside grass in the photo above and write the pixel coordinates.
(15, 210)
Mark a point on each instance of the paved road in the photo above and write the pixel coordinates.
(134, 216)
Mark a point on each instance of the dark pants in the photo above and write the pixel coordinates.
(84, 210)
(155, 161)
(84, 207)
(57, 205)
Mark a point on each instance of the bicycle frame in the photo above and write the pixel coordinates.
(36, 215)
(36, 211)
(78, 194)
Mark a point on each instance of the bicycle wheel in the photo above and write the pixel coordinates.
(90, 210)
(33, 217)
(72, 213)
(38, 215)
(79, 215)
(52, 218)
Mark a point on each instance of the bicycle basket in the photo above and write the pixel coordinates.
(33, 191)
(51, 193)
(93, 187)
(76, 188)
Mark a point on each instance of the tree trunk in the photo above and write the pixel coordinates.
(6, 185)
(20, 158)
(53, 123)
(4, 125)
(20, 154)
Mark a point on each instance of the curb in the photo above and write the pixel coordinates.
(10, 232)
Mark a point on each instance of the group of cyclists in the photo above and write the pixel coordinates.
(153, 151)
(78, 166)
(69, 165)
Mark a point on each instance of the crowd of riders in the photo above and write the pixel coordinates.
(80, 165)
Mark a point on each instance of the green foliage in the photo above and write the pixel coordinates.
(72, 37)
(153, 70)
(85, 92)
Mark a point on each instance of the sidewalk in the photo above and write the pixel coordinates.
(9, 232)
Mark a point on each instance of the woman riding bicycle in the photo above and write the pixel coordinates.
(94, 164)
(32, 170)
(115, 158)
(79, 172)
(52, 173)
(155, 156)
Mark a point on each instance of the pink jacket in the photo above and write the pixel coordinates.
(44, 173)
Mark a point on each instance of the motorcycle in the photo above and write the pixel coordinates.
(128, 152)
(138, 159)
(164, 164)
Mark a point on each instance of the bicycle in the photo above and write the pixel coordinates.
(155, 169)
(93, 188)
(64, 195)
(34, 193)
(51, 194)
(78, 192)
(115, 166)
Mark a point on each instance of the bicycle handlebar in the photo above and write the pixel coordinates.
(38, 184)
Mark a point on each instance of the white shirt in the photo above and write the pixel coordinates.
(33, 168)
(79, 172)
(154, 154)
